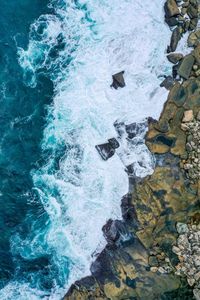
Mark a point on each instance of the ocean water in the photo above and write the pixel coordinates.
(56, 193)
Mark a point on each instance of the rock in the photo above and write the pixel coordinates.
(171, 21)
(135, 129)
(171, 8)
(192, 11)
(193, 23)
(193, 39)
(188, 116)
(196, 294)
(198, 116)
(175, 38)
(154, 269)
(186, 66)
(196, 54)
(105, 150)
(110, 231)
(174, 57)
(118, 80)
(168, 83)
(182, 228)
(114, 143)
(153, 261)
(191, 281)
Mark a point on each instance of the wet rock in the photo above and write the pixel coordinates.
(110, 231)
(105, 150)
(135, 129)
(182, 228)
(118, 80)
(171, 8)
(175, 38)
(167, 83)
(193, 39)
(196, 54)
(174, 57)
(186, 66)
(193, 23)
(171, 21)
(192, 11)
(119, 127)
(114, 143)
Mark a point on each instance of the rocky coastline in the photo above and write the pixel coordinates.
(154, 251)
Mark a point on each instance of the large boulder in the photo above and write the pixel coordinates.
(118, 80)
(171, 8)
(186, 66)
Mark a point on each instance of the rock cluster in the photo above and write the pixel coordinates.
(192, 162)
(188, 251)
(183, 15)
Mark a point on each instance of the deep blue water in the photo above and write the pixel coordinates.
(22, 119)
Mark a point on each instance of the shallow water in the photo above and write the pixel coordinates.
(55, 189)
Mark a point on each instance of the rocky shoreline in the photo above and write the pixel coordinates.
(153, 252)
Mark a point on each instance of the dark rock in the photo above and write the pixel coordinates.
(193, 24)
(128, 211)
(118, 80)
(113, 230)
(175, 70)
(119, 127)
(175, 38)
(174, 58)
(168, 83)
(185, 67)
(171, 21)
(105, 150)
(110, 231)
(135, 129)
(114, 143)
(171, 8)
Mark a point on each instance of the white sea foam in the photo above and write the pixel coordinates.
(102, 37)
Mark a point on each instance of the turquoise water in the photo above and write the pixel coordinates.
(22, 119)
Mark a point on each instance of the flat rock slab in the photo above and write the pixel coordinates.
(186, 66)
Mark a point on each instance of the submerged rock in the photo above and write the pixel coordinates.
(118, 80)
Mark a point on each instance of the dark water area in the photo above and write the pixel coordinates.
(22, 119)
